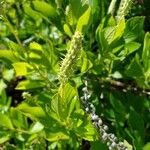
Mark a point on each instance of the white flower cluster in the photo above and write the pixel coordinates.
(110, 139)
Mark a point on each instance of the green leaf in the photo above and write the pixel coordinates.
(129, 48)
(147, 146)
(37, 127)
(30, 84)
(114, 33)
(129, 147)
(2, 86)
(35, 50)
(56, 136)
(84, 21)
(146, 52)
(86, 63)
(18, 119)
(109, 33)
(67, 30)
(68, 98)
(78, 8)
(133, 26)
(4, 136)
(93, 4)
(134, 69)
(33, 112)
(67, 93)
(35, 46)
(105, 32)
(37, 56)
(5, 121)
(98, 145)
(30, 12)
(8, 55)
(8, 74)
(102, 39)
(21, 68)
(74, 10)
(87, 131)
(3, 98)
(132, 47)
(136, 122)
(116, 103)
(45, 8)
(55, 105)
(117, 75)
(119, 29)
(72, 106)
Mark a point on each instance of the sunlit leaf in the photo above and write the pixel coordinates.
(21, 68)
(56, 136)
(37, 127)
(5, 121)
(31, 111)
(45, 8)
(8, 55)
(147, 146)
(146, 51)
(30, 84)
(84, 21)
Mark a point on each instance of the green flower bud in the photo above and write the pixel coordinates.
(68, 63)
(124, 8)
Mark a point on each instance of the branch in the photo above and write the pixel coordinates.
(124, 87)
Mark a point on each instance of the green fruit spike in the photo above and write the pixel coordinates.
(68, 63)
(123, 9)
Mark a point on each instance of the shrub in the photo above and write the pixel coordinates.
(75, 74)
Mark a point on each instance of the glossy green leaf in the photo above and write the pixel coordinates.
(18, 119)
(84, 21)
(67, 30)
(102, 39)
(133, 26)
(68, 98)
(56, 136)
(87, 131)
(136, 122)
(3, 86)
(116, 103)
(86, 63)
(31, 111)
(109, 33)
(67, 93)
(135, 69)
(35, 46)
(8, 74)
(56, 105)
(4, 136)
(30, 84)
(74, 11)
(36, 127)
(5, 121)
(8, 55)
(35, 51)
(29, 11)
(129, 146)
(119, 29)
(132, 47)
(146, 51)
(147, 146)
(96, 145)
(21, 68)
(45, 8)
